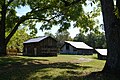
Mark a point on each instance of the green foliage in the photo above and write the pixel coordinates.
(17, 40)
(11, 19)
(62, 37)
(80, 37)
(92, 39)
(117, 13)
(49, 34)
(49, 12)
(86, 22)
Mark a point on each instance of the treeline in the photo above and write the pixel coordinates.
(95, 40)
(92, 39)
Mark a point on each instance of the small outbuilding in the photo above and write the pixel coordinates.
(102, 54)
(79, 48)
(41, 46)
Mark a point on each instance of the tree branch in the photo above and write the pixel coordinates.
(118, 6)
(14, 30)
(9, 2)
(28, 16)
(22, 19)
(69, 4)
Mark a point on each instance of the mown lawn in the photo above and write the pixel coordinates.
(62, 67)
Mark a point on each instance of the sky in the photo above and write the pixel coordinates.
(73, 31)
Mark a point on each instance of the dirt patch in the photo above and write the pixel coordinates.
(77, 61)
(80, 60)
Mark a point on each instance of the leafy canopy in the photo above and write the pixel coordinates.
(48, 12)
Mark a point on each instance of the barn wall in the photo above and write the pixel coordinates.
(70, 51)
(28, 49)
(85, 51)
(101, 57)
(73, 50)
(46, 47)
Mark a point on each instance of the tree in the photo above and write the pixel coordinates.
(91, 39)
(49, 34)
(63, 36)
(17, 40)
(111, 18)
(101, 41)
(49, 12)
(80, 37)
(95, 40)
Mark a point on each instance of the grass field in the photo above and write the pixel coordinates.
(62, 67)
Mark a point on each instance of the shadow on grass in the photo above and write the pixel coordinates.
(15, 68)
(91, 76)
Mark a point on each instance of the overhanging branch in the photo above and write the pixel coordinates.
(69, 4)
(118, 6)
(9, 2)
(29, 14)
(48, 20)
(22, 19)
(14, 30)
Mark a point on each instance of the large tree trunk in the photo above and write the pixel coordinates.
(2, 31)
(4, 41)
(3, 49)
(112, 32)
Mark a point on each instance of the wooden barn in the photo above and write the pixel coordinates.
(42, 46)
(78, 48)
(102, 54)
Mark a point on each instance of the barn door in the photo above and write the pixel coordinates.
(35, 51)
(26, 51)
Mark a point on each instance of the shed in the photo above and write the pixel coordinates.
(79, 48)
(102, 54)
(41, 46)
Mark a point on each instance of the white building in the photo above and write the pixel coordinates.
(71, 47)
(102, 53)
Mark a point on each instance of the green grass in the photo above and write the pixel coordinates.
(62, 67)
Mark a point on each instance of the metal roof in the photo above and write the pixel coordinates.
(79, 45)
(36, 39)
(102, 51)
